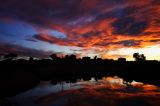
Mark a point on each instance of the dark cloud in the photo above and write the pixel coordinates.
(60, 41)
(37, 11)
(129, 26)
(129, 43)
(122, 24)
(155, 40)
(125, 43)
(156, 2)
(121, 12)
(45, 38)
(90, 34)
(45, 12)
(31, 39)
(127, 11)
(150, 33)
(53, 40)
(22, 51)
(137, 28)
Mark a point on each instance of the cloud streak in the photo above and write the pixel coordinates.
(22, 51)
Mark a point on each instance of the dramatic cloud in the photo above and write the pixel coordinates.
(104, 24)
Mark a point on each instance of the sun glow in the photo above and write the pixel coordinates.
(151, 52)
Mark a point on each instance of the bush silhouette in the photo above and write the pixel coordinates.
(139, 57)
(53, 56)
(11, 56)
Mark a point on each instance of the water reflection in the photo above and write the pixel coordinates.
(110, 91)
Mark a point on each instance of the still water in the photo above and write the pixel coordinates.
(111, 91)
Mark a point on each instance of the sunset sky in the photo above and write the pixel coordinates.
(106, 28)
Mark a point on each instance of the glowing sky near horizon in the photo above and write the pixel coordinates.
(106, 28)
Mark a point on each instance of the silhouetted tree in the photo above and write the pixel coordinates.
(11, 56)
(95, 57)
(66, 56)
(136, 56)
(139, 57)
(143, 57)
(73, 57)
(31, 58)
(53, 56)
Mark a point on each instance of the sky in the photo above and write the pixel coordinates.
(103, 28)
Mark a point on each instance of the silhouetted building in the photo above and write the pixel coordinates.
(86, 58)
(122, 59)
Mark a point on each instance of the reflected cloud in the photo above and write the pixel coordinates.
(110, 91)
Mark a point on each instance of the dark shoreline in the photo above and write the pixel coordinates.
(20, 75)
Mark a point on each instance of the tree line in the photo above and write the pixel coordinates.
(11, 56)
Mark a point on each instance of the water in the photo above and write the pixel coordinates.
(48, 94)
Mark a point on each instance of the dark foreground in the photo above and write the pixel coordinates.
(19, 76)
